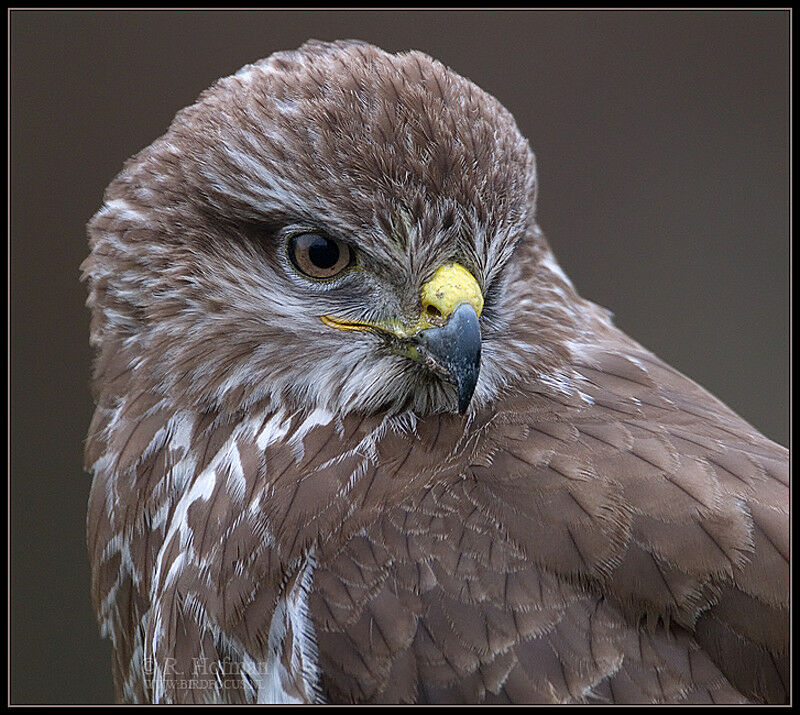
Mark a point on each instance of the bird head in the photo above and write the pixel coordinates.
(332, 227)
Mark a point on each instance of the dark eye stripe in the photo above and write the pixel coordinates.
(318, 256)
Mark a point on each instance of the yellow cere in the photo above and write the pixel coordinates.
(451, 286)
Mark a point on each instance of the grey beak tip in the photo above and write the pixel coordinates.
(456, 348)
(464, 398)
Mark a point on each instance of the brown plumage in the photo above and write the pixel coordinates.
(284, 511)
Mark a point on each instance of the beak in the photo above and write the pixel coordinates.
(456, 350)
(446, 337)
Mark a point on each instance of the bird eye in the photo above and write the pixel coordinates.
(318, 256)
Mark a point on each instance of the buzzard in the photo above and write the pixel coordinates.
(358, 439)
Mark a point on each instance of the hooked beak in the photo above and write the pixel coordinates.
(446, 337)
(456, 350)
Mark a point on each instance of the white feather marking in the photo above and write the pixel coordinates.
(175, 568)
(549, 262)
(559, 382)
(237, 483)
(181, 431)
(291, 616)
(270, 685)
(275, 429)
(320, 416)
(122, 209)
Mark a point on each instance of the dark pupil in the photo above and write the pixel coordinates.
(322, 252)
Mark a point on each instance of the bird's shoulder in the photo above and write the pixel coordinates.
(589, 530)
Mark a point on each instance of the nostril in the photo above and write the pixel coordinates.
(433, 311)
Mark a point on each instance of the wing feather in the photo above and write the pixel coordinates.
(626, 546)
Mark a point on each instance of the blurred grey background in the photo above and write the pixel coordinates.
(662, 146)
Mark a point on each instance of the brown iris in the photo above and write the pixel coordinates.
(318, 256)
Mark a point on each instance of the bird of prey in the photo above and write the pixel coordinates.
(358, 438)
